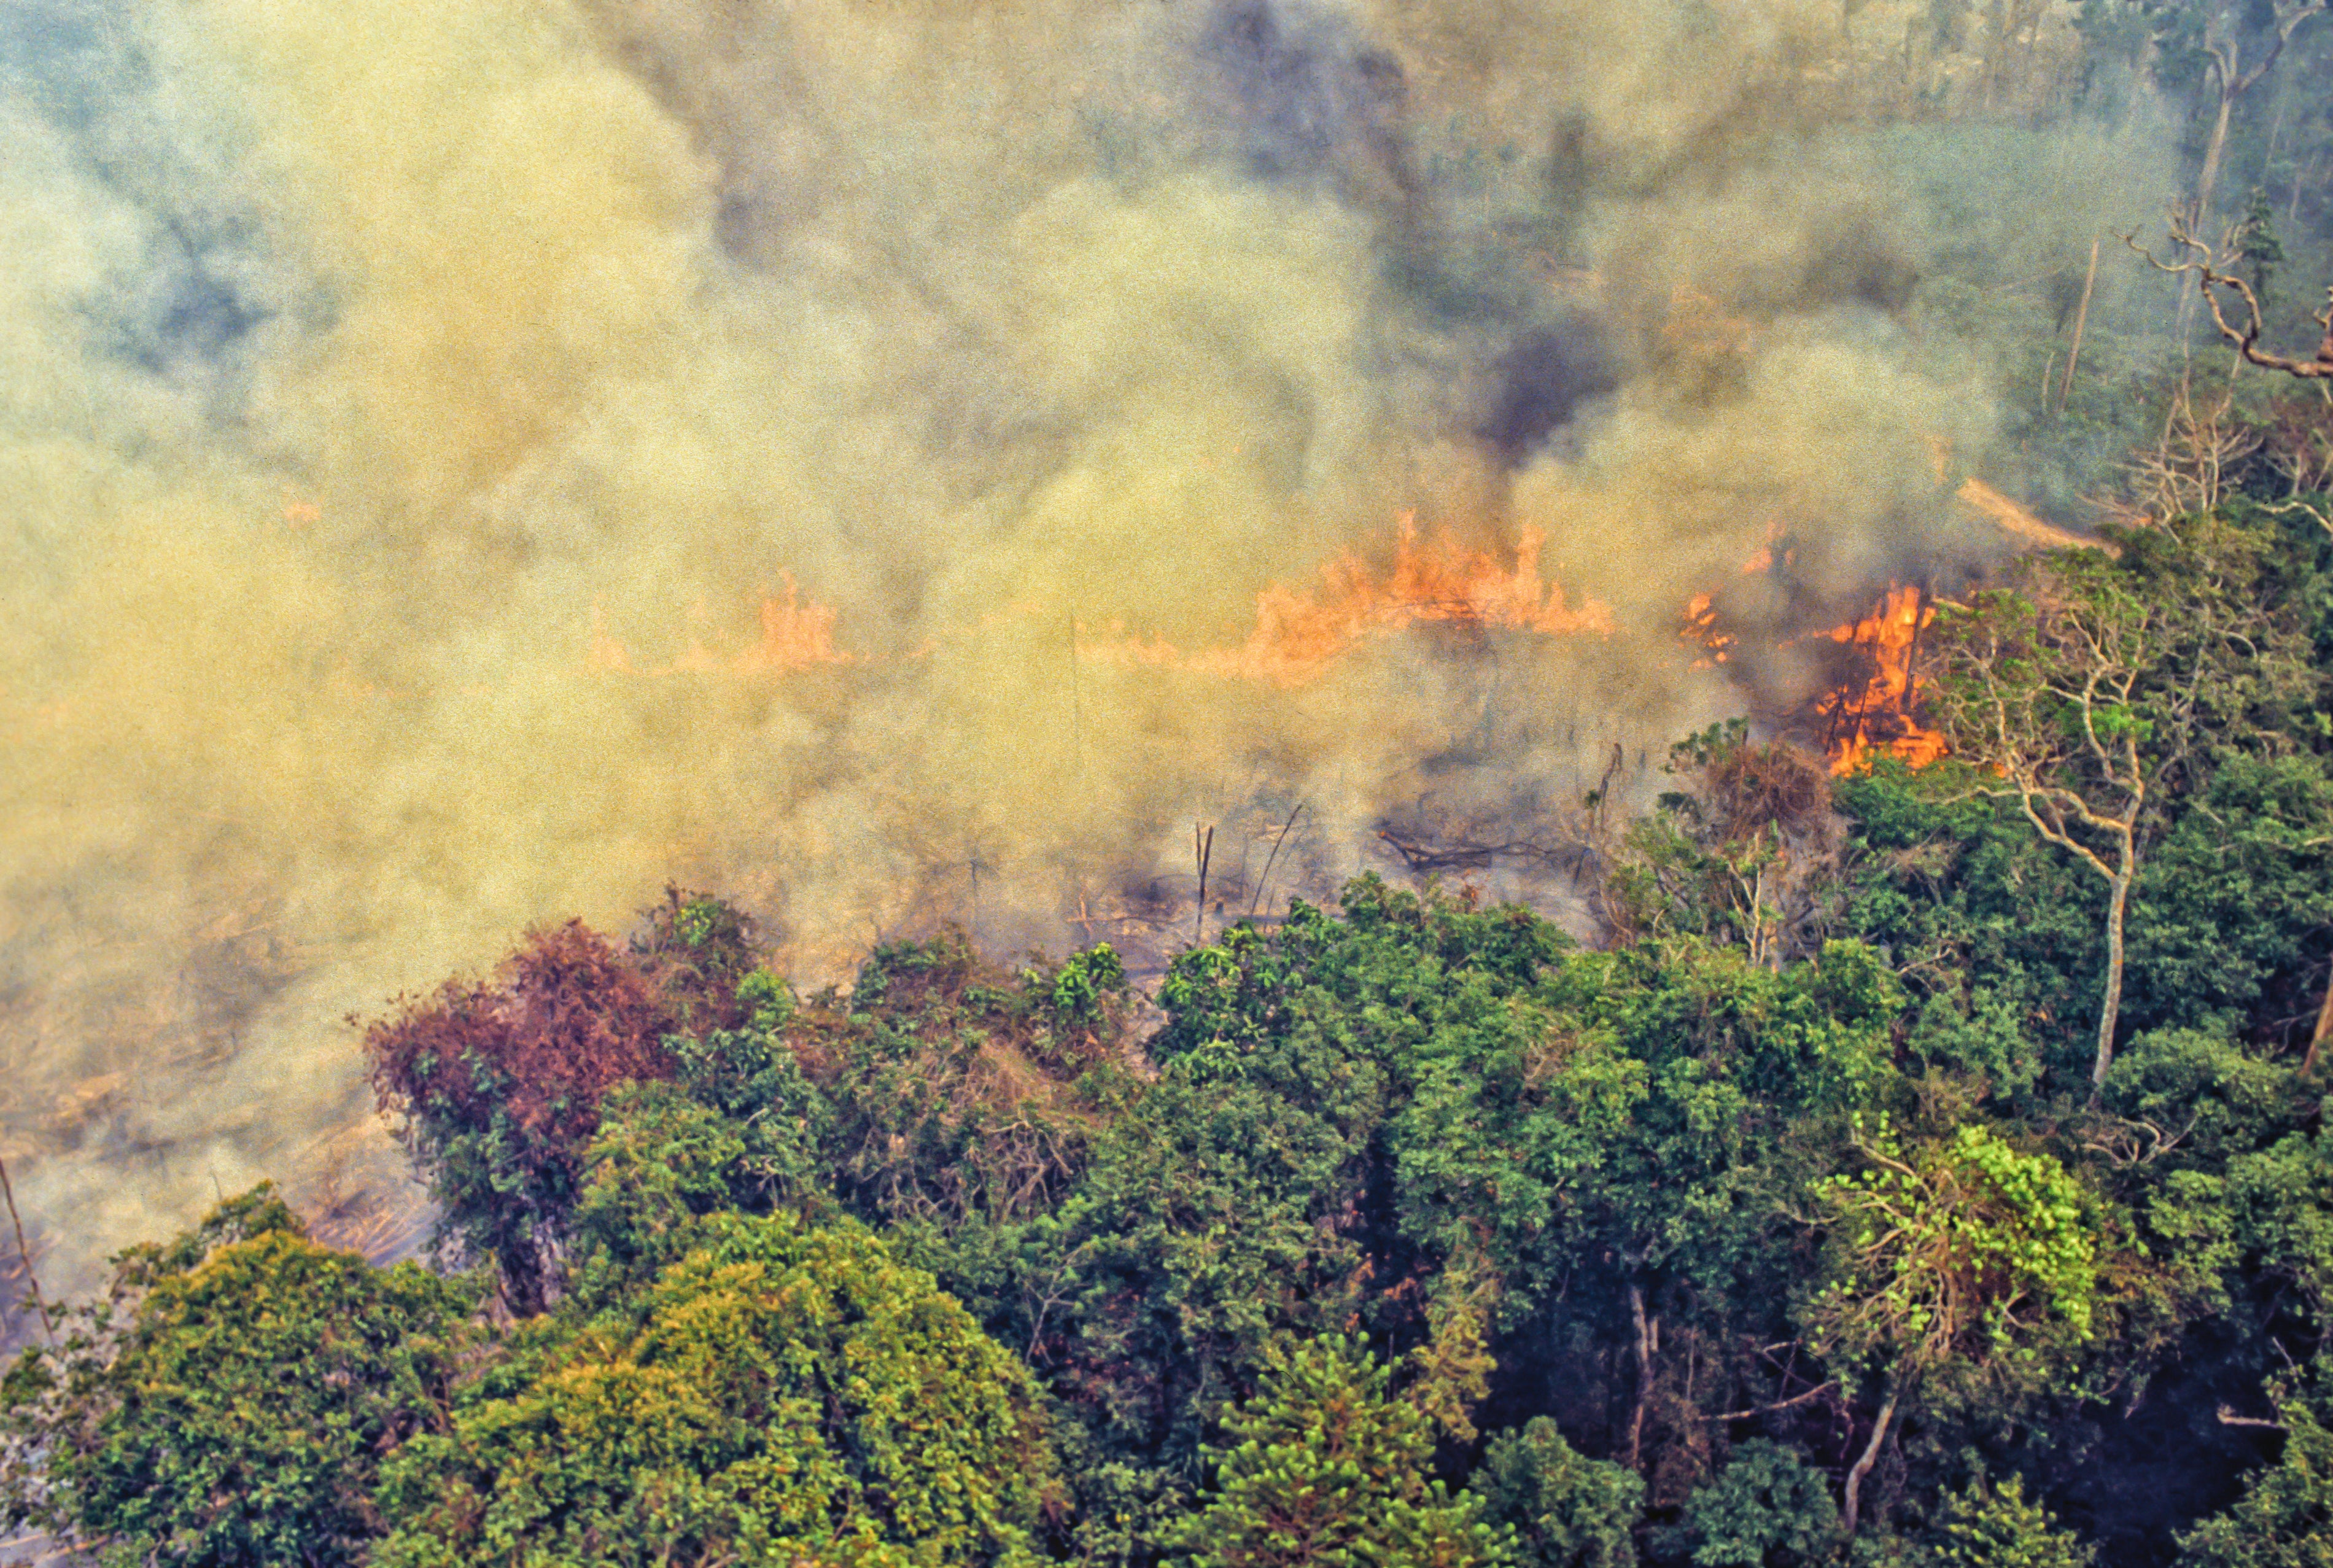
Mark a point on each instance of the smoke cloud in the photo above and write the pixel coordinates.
(474, 462)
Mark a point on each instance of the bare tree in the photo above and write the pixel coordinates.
(2037, 685)
(2205, 440)
(2225, 290)
(2222, 48)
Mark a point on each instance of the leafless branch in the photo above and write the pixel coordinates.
(2228, 1418)
(2285, 508)
(2211, 268)
(1799, 1399)
(25, 1253)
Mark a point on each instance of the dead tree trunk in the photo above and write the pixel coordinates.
(2233, 83)
(2110, 1008)
(1647, 1340)
(2081, 320)
(1851, 1503)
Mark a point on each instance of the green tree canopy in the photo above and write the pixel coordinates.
(229, 1400)
(782, 1393)
(1327, 1468)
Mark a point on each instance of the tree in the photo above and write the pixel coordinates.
(1996, 1527)
(1325, 1466)
(2039, 686)
(1735, 855)
(2226, 289)
(1961, 1255)
(964, 1094)
(2086, 685)
(2229, 917)
(498, 1087)
(2285, 1517)
(229, 1400)
(1767, 1508)
(1567, 1510)
(781, 1394)
(2229, 45)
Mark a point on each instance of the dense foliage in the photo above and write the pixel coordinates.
(230, 1400)
(1793, 1222)
(1917, 1168)
(778, 1393)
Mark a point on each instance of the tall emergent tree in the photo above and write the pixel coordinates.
(2087, 682)
(2228, 47)
(2041, 682)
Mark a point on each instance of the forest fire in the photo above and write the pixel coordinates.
(795, 636)
(1298, 635)
(1873, 718)
(1710, 643)
(1432, 580)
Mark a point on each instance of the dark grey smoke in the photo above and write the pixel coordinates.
(1859, 266)
(190, 310)
(1309, 99)
(205, 280)
(1543, 383)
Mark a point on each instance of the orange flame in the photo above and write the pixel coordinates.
(1863, 722)
(1298, 635)
(1710, 643)
(795, 636)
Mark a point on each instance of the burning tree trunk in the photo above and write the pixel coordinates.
(1875, 717)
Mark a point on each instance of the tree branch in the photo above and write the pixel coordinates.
(1777, 1405)
(2206, 266)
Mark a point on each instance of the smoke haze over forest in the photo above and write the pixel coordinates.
(437, 433)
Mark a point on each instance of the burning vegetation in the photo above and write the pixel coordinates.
(1878, 715)
(1867, 708)
(993, 453)
(1438, 581)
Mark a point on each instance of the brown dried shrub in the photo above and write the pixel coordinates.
(1753, 786)
(498, 1087)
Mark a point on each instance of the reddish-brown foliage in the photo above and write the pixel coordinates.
(569, 1019)
(500, 1084)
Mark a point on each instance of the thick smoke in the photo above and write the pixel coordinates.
(412, 405)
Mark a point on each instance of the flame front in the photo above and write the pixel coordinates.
(1299, 634)
(1864, 721)
(1439, 581)
(796, 635)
